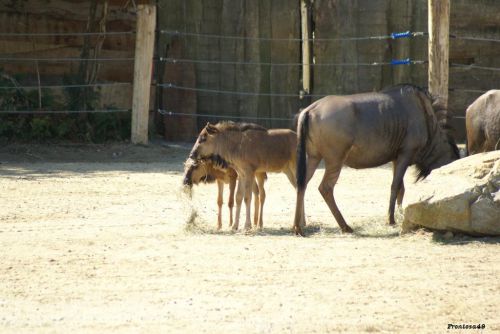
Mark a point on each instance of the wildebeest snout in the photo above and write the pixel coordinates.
(187, 182)
(188, 174)
(194, 154)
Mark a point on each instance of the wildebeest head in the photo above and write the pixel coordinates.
(440, 152)
(205, 143)
(197, 171)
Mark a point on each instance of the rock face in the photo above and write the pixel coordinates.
(463, 196)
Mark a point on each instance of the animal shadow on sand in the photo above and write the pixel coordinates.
(363, 228)
(463, 239)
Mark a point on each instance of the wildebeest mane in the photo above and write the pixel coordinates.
(208, 178)
(239, 126)
(407, 87)
(218, 161)
(191, 165)
(427, 158)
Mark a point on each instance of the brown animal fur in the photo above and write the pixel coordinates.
(252, 151)
(482, 121)
(208, 171)
(368, 130)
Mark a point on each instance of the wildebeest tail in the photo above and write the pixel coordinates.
(302, 130)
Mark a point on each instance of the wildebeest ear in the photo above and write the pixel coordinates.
(211, 129)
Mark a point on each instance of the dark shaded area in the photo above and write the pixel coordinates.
(443, 238)
(156, 151)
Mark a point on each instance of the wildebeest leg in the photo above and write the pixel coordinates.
(326, 188)
(230, 202)
(240, 191)
(248, 181)
(401, 191)
(220, 187)
(299, 220)
(475, 141)
(261, 177)
(255, 191)
(291, 175)
(402, 164)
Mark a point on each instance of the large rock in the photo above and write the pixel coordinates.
(463, 196)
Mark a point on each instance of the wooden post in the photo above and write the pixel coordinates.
(306, 47)
(439, 36)
(144, 47)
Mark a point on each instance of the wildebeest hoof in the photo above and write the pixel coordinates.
(347, 229)
(298, 231)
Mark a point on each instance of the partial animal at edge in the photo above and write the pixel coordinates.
(482, 123)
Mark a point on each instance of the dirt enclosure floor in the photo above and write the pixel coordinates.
(102, 239)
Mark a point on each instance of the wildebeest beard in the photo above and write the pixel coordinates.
(429, 157)
(217, 161)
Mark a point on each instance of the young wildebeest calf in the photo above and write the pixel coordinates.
(368, 130)
(212, 170)
(251, 150)
(482, 120)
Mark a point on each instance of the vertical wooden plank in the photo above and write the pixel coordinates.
(232, 15)
(306, 47)
(439, 34)
(284, 23)
(336, 19)
(144, 47)
(400, 19)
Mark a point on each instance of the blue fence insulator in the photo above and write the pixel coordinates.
(405, 34)
(406, 61)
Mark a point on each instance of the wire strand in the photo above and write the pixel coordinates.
(170, 113)
(68, 86)
(226, 117)
(362, 38)
(467, 90)
(63, 111)
(229, 92)
(480, 39)
(472, 67)
(12, 59)
(50, 34)
(224, 62)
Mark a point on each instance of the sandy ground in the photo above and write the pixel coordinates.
(94, 239)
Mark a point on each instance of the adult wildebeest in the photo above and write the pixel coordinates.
(212, 170)
(368, 130)
(251, 150)
(482, 121)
